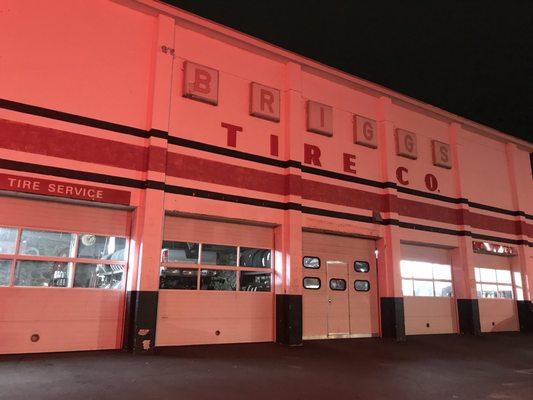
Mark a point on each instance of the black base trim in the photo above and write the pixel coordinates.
(141, 321)
(289, 319)
(525, 315)
(469, 323)
(392, 318)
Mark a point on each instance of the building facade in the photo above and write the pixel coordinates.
(166, 181)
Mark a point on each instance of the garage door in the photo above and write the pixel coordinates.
(62, 271)
(340, 287)
(215, 283)
(429, 304)
(496, 286)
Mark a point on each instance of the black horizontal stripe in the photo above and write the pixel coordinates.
(73, 118)
(96, 123)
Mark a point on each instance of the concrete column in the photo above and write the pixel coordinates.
(289, 234)
(147, 236)
(389, 251)
(522, 273)
(464, 282)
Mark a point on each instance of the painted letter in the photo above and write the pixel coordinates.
(349, 163)
(400, 171)
(232, 133)
(312, 155)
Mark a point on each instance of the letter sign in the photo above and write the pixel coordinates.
(319, 118)
(200, 83)
(264, 102)
(441, 155)
(365, 131)
(406, 144)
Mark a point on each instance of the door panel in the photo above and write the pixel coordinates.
(338, 308)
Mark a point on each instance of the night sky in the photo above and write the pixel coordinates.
(472, 58)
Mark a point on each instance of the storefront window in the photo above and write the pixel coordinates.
(5, 269)
(41, 273)
(494, 283)
(182, 252)
(178, 278)
(256, 258)
(216, 279)
(102, 247)
(44, 243)
(8, 240)
(101, 276)
(518, 285)
(421, 278)
(251, 281)
(217, 254)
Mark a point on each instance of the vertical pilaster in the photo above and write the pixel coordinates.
(289, 234)
(389, 250)
(464, 282)
(522, 275)
(143, 290)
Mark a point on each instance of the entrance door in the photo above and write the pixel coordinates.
(338, 303)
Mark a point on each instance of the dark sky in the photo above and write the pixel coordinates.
(472, 58)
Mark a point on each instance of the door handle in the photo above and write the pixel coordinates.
(329, 300)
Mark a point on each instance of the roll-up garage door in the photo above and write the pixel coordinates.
(216, 283)
(339, 287)
(429, 303)
(62, 276)
(496, 286)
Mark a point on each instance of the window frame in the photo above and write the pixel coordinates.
(496, 283)
(199, 266)
(312, 277)
(361, 280)
(71, 261)
(432, 280)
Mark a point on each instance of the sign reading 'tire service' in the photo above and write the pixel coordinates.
(63, 189)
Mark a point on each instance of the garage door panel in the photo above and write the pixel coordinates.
(439, 313)
(60, 336)
(194, 318)
(50, 215)
(498, 315)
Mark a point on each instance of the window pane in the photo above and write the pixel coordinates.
(489, 291)
(101, 276)
(503, 276)
(5, 269)
(422, 270)
(41, 273)
(312, 283)
(8, 239)
(423, 288)
(443, 289)
(442, 272)
(487, 275)
(219, 254)
(406, 268)
(361, 266)
(184, 252)
(505, 291)
(178, 278)
(479, 290)
(477, 274)
(102, 247)
(256, 258)
(361, 286)
(254, 281)
(337, 284)
(519, 294)
(517, 279)
(215, 279)
(407, 287)
(42, 243)
(311, 262)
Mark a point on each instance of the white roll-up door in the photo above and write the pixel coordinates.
(62, 276)
(427, 284)
(216, 283)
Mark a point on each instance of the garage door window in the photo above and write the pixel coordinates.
(493, 283)
(361, 266)
(311, 283)
(311, 262)
(42, 258)
(219, 267)
(421, 278)
(361, 286)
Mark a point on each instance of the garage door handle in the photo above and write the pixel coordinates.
(329, 300)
